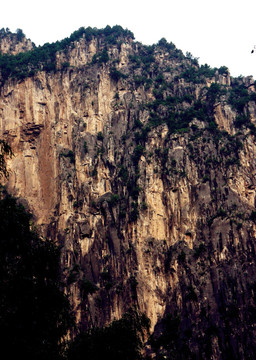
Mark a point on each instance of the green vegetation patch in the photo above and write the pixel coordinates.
(43, 57)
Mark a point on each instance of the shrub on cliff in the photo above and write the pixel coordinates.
(43, 57)
(5, 150)
(116, 74)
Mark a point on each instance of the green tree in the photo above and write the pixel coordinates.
(20, 34)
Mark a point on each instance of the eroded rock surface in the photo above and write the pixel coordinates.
(143, 170)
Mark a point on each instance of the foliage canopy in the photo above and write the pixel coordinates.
(34, 313)
(43, 57)
(122, 339)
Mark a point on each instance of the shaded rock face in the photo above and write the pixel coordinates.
(142, 167)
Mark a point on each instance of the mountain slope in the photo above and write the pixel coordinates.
(140, 163)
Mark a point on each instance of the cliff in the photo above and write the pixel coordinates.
(14, 43)
(140, 164)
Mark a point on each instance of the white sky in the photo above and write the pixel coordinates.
(218, 32)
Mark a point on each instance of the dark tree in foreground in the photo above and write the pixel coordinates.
(122, 339)
(34, 313)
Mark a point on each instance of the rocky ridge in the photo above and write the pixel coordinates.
(14, 43)
(140, 164)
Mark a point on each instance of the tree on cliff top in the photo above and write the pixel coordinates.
(20, 34)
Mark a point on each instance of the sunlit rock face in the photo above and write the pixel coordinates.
(141, 166)
(14, 43)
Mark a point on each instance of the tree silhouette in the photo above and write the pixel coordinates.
(122, 339)
(34, 313)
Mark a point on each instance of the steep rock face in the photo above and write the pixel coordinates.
(14, 43)
(140, 164)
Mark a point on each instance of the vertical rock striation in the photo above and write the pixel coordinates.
(141, 164)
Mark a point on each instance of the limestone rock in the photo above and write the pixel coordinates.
(157, 211)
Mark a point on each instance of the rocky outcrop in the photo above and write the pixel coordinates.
(14, 43)
(140, 164)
